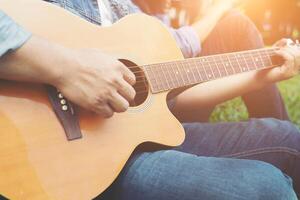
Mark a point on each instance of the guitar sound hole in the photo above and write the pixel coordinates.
(141, 87)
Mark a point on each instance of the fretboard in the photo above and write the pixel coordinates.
(176, 74)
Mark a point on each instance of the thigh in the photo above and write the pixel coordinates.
(230, 138)
(269, 140)
(174, 175)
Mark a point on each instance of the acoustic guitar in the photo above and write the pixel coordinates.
(38, 160)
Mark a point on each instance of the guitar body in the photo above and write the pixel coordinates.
(36, 159)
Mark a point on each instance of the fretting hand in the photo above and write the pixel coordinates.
(290, 51)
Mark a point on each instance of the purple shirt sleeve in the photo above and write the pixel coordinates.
(188, 41)
(186, 37)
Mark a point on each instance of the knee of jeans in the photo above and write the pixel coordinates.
(242, 29)
(271, 183)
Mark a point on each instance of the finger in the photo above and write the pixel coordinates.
(104, 110)
(126, 90)
(287, 56)
(293, 51)
(118, 103)
(289, 59)
(128, 75)
(283, 42)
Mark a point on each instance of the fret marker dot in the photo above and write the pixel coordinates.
(256, 59)
(226, 64)
(209, 75)
(244, 69)
(176, 73)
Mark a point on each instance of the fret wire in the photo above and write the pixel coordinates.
(157, 76)
(227, 65)
(170, 77)
(240, 60)
(192, 73)
(256, 67)
(175, 75)
(230, 64)
(197, 69)
(162, 77)
(179, 74)
(210, 68)
(193, 69)
(186, 65)
(223, 66)
(250, 62)
(184, 73)
(239, 65)
(207, 69)
(149, 70)
(203, 70)
(258, 60)
(246, 62)
(235, 64)
(263, 60)
(268, 56)
(166, 79)
(217, 66)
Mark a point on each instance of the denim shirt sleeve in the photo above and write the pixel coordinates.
(12, 36)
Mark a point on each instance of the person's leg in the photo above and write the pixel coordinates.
(174, 175)
(235, 32)
(269, 140)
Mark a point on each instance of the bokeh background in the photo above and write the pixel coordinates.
(275, 19)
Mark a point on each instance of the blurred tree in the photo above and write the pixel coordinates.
(275, 18)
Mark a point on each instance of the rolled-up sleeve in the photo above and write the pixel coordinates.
(12, 36)
(188, 41)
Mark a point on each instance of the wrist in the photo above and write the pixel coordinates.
(263, 78)
(51, 61)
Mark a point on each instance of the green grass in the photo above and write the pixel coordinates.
(235, 109)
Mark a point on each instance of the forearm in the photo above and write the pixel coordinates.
(217, 91)
(206, 23)
(36, 61)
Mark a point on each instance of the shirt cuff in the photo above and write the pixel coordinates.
(188, 41)
(12, 36)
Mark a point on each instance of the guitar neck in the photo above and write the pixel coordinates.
(176, 74)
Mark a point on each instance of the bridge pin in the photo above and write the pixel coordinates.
(64, 107)
(63, 102)
(60, 95)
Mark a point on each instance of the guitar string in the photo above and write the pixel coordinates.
(144, 77)
(271, 53)
(147, 88)
(145, 84)
(268, 53)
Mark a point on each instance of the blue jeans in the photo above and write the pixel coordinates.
(215, 162)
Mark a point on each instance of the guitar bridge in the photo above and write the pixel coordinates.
(65, 112)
